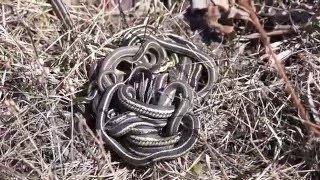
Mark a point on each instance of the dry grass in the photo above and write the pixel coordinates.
(250, 128)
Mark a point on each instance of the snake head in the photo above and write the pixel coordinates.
(158, 68)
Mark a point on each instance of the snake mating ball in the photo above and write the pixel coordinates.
(143, 93)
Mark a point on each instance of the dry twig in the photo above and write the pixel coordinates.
(313, 128)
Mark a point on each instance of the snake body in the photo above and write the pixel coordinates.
(144, 114)
(181, 146)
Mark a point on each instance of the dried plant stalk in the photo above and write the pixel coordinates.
(313, 129)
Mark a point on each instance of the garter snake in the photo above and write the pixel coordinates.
(61, 11)
(212, 70)
(122, 54)
(145, 119)
(131, 54)
(157, 111)
(143, 144)
(188, 136)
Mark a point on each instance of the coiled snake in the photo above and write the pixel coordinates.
(144, 112)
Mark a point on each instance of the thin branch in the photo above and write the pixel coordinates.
(312, 129)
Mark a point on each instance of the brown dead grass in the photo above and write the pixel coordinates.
(250, 128)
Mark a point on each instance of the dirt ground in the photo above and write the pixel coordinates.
(250, 129)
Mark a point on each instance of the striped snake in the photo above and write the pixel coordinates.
(142, 94)
(150, 117)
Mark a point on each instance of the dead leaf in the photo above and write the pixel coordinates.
(213, 16)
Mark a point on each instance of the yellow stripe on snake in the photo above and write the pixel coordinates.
(142, 95)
